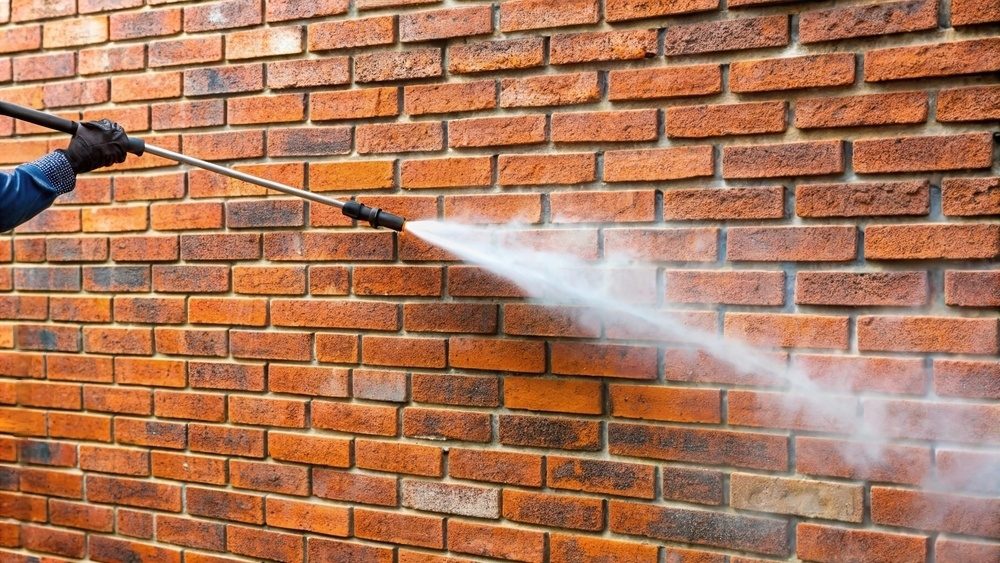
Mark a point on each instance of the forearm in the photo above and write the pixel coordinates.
(32, 187)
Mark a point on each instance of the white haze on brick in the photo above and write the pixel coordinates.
(600, 289)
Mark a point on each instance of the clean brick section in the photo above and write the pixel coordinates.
(194, 368)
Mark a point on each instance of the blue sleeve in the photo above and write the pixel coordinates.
(32, 187)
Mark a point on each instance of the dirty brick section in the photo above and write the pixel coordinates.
(195, 370)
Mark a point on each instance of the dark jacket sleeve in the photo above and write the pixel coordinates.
(32, 187)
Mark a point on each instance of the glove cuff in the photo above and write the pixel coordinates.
(58, 170)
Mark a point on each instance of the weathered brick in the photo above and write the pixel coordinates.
(554, 90)
(962, 378)
(494, 208)
(146, 23)
(617, 126)
(603, 46)
(734, 287)
(911, 154)
(658, 164)
(930, 60)
(448, 98)
(857, 111)
(862, 289)
(972, 288)
(504, 542)
(444, 24)
(397, 65)
(549, 432)
(935, 511)
(863, 199)
(858, 461)
(977, 103)
(815, 499)
(786, 330)
(790, 159)
(728, 119)
(948, 550)
(494, 131)
(727, 35)
(352, 33)
(527, 52)
(518, 15)
(810, 71)
(603, 207)
(328, 71)
(833, 243)
(621, 10)
(817, 542)
(229, 14)
(867, 20)
(928, 334)
(927, 241)
(530, 170)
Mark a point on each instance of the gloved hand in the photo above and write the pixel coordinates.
(96, 144)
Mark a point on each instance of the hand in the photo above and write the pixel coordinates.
(96, 144)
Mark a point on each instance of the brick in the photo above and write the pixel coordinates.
(485, 56)
(726, 119)
(970, 12)
(549, 432)
(856, 111)
(279, 280)
(143, 432)
(933, 421)
(320, 549)
(403, 352)
(693, 485)
(868, 20)
(590, 127)
(148, 23)
(698, 245)
(791, 159)
(225, 145)
(188, 114)
(449, 98)
(132, 492)
(666, 403)
(445, 498)
(972, 289)
(455, 390)
(267, 411)
(768, 452)
(175, 52)
(550, 320)
(860, 373)
(581, 513)
(926, 61)
(62, 454)
(412, 459)
(397, 65)
(311, 72)
(450, 317)
(186, 216)
(520, 15)
(264, 42)
(49, 395)
(80, 426)
(737, 288)
(961, 378)
(504, 542)
(106, 548)
(495, 131)
(501, 355)
(968, 104)
(494, 208)
(315, 450)
(444, 24)
(212, 375)
(727, 35)
(621, 10)
(198, 469)
(184, 342)
(80, 92)
(811, 71)
(368, 315)
(730, 531)
(52, 483)
(857, 460)
(811, 331)
(21, 38)
(606, 360)
(284, 10)
(229, 14)
(355, 487)
(932, 241)
(269, 477)
(145, 87)
(226, 441)
(813, 499)
(191, 533)
(966, 470)
(862, 199)
(400, 137)
(44, 67)
(194, 406)
(446, 173)
(25, 423)
(380, 385)
(603, 46)
(554, 90)
(439, 424)
(355, 418)
(597, 476)
(51, 540)
(266, 109)
(827, 543)
(949, 550)
(911, 154)
(658, 164)
(862, 289)
(352, 33)
(222, 80)
(112, 59)
(264, 544)
(792, 243)
(296, 515)
(80, 515)
(935, 511)
(553, 395)
(354, 104)
(970, 196)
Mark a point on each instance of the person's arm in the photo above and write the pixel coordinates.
(32, 187)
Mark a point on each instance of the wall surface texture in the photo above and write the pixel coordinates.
(192, 369)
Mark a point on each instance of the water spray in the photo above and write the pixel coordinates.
(373, 215)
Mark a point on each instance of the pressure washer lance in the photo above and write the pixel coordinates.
(353, 209)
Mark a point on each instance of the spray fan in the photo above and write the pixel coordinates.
(356, 210)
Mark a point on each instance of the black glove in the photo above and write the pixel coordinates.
(96, 144)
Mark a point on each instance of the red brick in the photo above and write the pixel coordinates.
(213, 375)
(728, 119)
(145, 87)
(935, 511)
(553, 395)
(191, 533)
(791, 159)
(198, 469)
(132, 492)
(355, 487)
(377, 420)
(295, 515)
(517, 15)
(21, 38)
(367, 315)
(731, 531)
(448, 98)
(856, 111)
(352, 33)
(44, 67)
(501, 355)
(669, 245)
(862, 199)
(421, 531)
(550, 320)
(811, 71)
(658, 164)
(862, 289)
(970, 196)
(912, 154)
(80, 426)
(693, 485)
(931, 60)
(494, 208)
(411, 459)
(829, 500)
(715, 203)
(494, 131)
(666, 403)
(187, 405)
(526, 52)
(581, 513)
(338, 348)
(792, 410)
(620, 10)
(239, 507)
(553, 90)
(734, 287)
(962, 378)
(549, 432)
(80, 515)
(352, 175)
(247, 442)
(397, 65)
(932, 241)
(967, 470)
(785, 330)
(62, 454)
(269, 477)
(868, 20)
(113, 59)
(185, 51)
(504, 542)
(327, 71)
(403, 352)
(590, 127)
(603, 46)
(265, 411)
(264, 544)
(320, 549)
(284, 10)
(148, 23)
(860, 461)
(607, 206)
(444, 24)
(52, 483)
(332, 452)
(52, 540)
(792, 243)
(266, 109)
(264, 42)
(928, 334)
(446, 173)
(106, 548)
(400, 137)
(529, 170)
(948, 550)
(354, 104)
(278, 280)
(222, 80)
(970, 12)
(727, 35)
(229, 14)
(863, 373)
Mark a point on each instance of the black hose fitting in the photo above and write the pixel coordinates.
(375, 216)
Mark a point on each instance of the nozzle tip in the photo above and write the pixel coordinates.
(375, 216)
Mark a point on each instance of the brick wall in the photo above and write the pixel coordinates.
(193, 369)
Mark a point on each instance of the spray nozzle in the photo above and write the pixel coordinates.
(375, 216)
